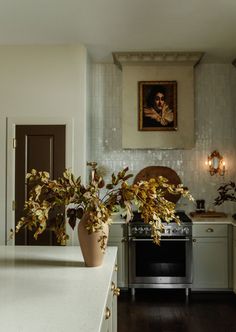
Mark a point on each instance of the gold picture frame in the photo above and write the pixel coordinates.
(157, 105)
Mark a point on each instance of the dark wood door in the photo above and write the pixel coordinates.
(41, 147)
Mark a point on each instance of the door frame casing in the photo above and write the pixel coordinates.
(12, 122)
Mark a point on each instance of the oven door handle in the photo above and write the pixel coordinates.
(150, 240)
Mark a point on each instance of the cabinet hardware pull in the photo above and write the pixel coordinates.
(194, 240)
(151, 240)
(116, 268)
(107, 313)
(124, 239)
(115, 290)
(210, 230)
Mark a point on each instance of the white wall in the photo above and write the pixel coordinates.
(214, 122)
(52, 82)
(43, 82)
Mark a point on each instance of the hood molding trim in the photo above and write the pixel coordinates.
(152, 58)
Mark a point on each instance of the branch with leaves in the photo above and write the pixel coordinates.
(227, 192)
(51, 201)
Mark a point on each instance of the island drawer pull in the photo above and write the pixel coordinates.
(115, 290)
(107, 313)
(210, 230)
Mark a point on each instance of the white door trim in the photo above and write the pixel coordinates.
(10, 167)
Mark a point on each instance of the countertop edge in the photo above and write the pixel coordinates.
(201, 221)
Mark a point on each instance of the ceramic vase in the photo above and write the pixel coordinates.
(90, 245)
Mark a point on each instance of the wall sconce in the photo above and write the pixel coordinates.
(93, 166)
(216, 164)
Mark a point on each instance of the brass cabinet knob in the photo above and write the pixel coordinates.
(115, 290)
(210, 230)
(107, 313)
(116, 268)
(194, 240)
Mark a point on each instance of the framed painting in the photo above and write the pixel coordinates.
(157, 105)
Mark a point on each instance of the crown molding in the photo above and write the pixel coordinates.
(156, 58)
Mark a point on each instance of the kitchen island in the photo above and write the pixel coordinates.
(49, 289)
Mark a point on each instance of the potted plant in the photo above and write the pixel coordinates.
(93, 204)
(227, 192)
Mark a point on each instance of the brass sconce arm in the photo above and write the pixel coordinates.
(216, 164)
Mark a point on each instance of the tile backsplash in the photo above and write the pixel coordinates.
(215, 122)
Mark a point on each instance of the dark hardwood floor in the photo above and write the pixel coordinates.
(154, 310)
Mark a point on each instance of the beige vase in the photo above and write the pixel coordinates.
(90, 245)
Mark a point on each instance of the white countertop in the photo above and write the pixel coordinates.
(48, 289)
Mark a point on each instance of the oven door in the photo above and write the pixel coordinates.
(167, 264)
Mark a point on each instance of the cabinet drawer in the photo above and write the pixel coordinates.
(109, 322)
(118, 230)
(107, 317)
(210, 230)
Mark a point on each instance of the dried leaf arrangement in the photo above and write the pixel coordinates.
(227, 192)
(49, 199)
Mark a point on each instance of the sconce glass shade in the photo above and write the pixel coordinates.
(216, 163)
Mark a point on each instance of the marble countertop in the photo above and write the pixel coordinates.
(226, 220)
(49, 289)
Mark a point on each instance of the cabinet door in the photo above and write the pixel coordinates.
(234, 264)
(107, 319)
(114, 301)
(210, 263)
(122, 261)
(109, 323)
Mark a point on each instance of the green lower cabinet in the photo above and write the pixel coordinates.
(234, 260)
(210, 258)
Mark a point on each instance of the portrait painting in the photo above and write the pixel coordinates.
(157, 105)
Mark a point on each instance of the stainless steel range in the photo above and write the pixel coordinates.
(166, 266)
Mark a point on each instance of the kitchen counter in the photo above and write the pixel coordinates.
(226, 220)
(48, 289)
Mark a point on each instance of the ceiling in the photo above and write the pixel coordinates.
(106, 26)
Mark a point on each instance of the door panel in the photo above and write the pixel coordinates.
(41, 147)
(44, 144)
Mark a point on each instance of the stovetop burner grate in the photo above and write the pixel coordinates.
(180, 213)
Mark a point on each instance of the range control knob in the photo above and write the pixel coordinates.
(175, 230)
(134, 230)
(140, 230)
(185, 231)
(167, 231)
(146, 230)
